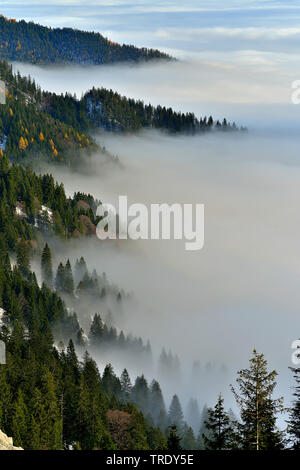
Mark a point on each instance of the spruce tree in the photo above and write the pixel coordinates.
(96, 330)
(46, 266)
(126, 385)
(258, 409)
(219, 433)
(23, 261)
(189, 441)
(174, 440)
(193, 414)
(68, 286)
(59, 279)
(175, 413)
(19, 425)
(157, 404)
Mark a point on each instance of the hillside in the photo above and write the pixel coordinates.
(38, 124)
(30, 42)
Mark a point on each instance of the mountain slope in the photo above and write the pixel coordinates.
(30, 42)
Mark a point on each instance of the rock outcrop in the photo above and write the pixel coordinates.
(6, 443)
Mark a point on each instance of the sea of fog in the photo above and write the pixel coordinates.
(242, 290)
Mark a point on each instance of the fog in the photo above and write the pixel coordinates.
(241, 291)
(249, 89)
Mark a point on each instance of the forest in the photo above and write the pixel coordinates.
(52, 394)
(36, 44)
(57, 318)
(37, 125)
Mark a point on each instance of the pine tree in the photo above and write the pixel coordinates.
(258, 409)
(219, 433)
(294, 420)
(46, 266)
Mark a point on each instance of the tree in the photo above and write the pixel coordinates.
(96, 330)
(258, 409)
(175, 413)
(294, 421)
(68, 286)
(59, 279)
(19, 426)
(157, 404)
(126, 385)
(140, 394)
(173, 442)
(189, 441)
(46, 266)
(219, 429)
(23, 262)
(193, 414)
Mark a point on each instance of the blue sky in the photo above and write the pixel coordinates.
(188, 25)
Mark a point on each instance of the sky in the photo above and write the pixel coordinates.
(243, 53)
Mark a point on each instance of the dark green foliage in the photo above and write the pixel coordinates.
(174, 440)
(126, 386)
(37, 125)
(46, 266)
(157, 404)
(23, 261)
(30, 42)
(258, 409)
(219, 433)
(189, 441)
(109, 110)
(48, 400)
(29, 132)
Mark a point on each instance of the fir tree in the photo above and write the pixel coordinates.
(219, 433)
(258, 409)
(68, 286)
(174, 440)
(46, 266)
(23, 262)
(175, 413)
(96, 330)
(126, 385)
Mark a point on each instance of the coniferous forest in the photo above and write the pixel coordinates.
(60, 319)
(30, 42)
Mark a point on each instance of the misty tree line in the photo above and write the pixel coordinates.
(102, 335)
(49, 400)
(215, 429)
(36, 124)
